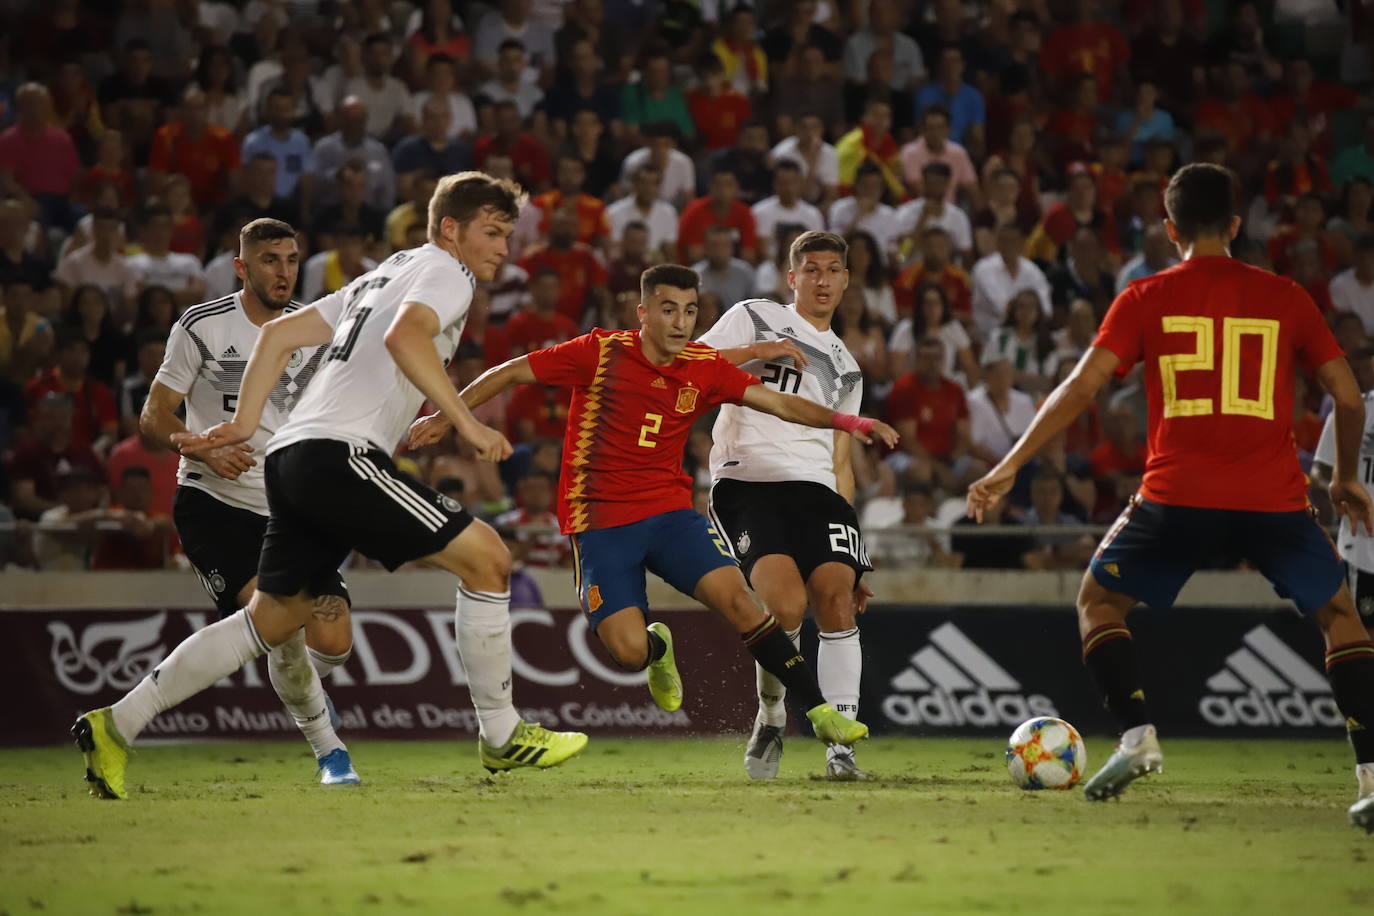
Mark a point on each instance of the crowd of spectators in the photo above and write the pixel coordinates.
(996, 166)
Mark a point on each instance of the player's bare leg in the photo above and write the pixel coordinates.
(839, 660)
(778, 584)
(482, 564)
(1109, 655)
(723, 590)
(635, 647)
(1350, 667)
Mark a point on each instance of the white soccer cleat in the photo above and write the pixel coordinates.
(1137, 755)
(1362, 814)
(840, 765)
(764, 753)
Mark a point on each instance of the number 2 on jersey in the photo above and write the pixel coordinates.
(1201, 359)
(652, 423)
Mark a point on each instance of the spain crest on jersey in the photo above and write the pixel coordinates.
(686, 399)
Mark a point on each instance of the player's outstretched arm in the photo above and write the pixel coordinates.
(1348, 495)
(765, 349)
(430, 429)
(1062, 407)
(410, 341)
(794, 409)
(279, 338)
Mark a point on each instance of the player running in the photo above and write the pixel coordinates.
(782, 492)
(221, 501)
(332, 487)
(1221, 342)
(625, 501)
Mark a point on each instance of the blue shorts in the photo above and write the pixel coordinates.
(679, 547)
(1153, 549)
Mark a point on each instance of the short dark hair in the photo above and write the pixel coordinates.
(935, 109)
(265, 229)
(440, 58)
(786, 165)
(464, 195)
(674, 275)
(135, 470)
(70, 335)
(449, 486)
(511, 44)
(938, 168)
(1365, 242)
(279, 92)
(149, 336)
(817, 241)
(377, 38)
(1201, 200)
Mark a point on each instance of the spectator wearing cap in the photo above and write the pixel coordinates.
(1087, 45)
(1079, 208)
(679, 173)
(285, 144)
(512, 82)
(1352, 290)
(1000, 276)
(737, 48)
(871, 142)
(718, 109)
(50, 452)
(654, 99)
(330, 271)
(934, 145)
(881, 33)
(643, 205)
(819, 164)
(207, 155)
(352, 141)
(785, 211)
(527, 154)
(935, 208)
(570, 174)
(512, 22)
(720, 207)
(967, 114)
(729, 277)
(441, 88)
(866, 211)
(38, 158)
(582, 276)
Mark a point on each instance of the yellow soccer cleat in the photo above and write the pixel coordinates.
(531, 745)
(665, 684)
(833, 728)
(107, 755)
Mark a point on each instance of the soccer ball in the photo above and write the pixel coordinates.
(1046, 753)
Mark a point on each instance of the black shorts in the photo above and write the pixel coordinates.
(328, 498)
(806, 521)
(223, 543)
(1362, 587)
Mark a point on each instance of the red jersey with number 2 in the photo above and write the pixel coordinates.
(629, 423)
(1221, 342)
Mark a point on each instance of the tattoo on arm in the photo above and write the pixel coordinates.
(329, 608)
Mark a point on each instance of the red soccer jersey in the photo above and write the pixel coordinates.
(530, 331)
(698, 216)
(579, 271)
(628, 425)
(1221, 342)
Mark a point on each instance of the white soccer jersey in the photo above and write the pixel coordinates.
(207, 352)
(754, 446)
(360, 396)
(1356, 549)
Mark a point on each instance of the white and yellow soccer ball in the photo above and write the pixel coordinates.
(1046, 753)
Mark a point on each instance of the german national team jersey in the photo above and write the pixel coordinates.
(1221, 342)
(1357, 548)
(628, 424)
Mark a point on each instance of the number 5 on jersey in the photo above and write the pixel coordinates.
(1202, 359)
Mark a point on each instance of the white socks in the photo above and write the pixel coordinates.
(839, 665)
(772, 709)
(297, 683)
(1364, 775)
(483, 623)
(326, 663)
(202, 658)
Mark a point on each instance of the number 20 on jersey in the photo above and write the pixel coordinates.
(1202, 359)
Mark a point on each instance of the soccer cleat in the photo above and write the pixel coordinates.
(833, 728)
(1362, 814)
(1137, 755)
(840, 766)
(106, 753)
(764, 753)
(664, 683)
(336, 769)
(531, 745)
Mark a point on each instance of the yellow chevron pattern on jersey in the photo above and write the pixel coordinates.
(586, 432)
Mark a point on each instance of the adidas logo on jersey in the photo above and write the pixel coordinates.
(952, 682)
(659, 383)
(1266, 683)
(788, 331)
(230, 353)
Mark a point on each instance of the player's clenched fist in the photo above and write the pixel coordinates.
(427, 430)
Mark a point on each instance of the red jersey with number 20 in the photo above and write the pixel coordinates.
(629, 423)
(1221, 342)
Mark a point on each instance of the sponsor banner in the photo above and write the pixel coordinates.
(1205, 672)
(404, 679)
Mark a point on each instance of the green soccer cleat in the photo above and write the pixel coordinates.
(833, 728)
(1137, 755)
(106, 753)
(665, 685)
(531, 746)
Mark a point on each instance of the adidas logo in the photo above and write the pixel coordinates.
(230, 353)
(659, 383)
(952, 682)
(1266, 683)
(788, 331)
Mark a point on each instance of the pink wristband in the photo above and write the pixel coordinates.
(847, 422)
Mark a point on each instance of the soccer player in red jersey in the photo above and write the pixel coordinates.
(1221, 343)
(627, 504)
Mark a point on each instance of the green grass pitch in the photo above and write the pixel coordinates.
(674, 826)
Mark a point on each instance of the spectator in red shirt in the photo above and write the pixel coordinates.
(934, 267)
(145, 537)
(526, 153)
(582, 277)
(931, 414)
(36, 466)
(539, 325)
(1295, 172)
(94, 420)
(717, 109)
(111, 167)
(1118, 461)
(1074, 128)
(206, 154)
(38, 158)
(1236, 113)
(1310, 103)
(537, 412)
(1309, 223)
(1087, 45)
(571, 174)
(720, 207)
(140, 451)
(1078, 209)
